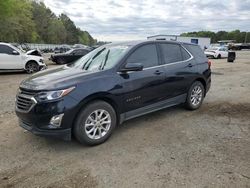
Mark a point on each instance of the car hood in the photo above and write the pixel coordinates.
(57, 78)
(30, 51)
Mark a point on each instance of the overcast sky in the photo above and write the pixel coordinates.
(114, 20)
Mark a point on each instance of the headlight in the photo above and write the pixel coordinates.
(53, 95)
(41, 60)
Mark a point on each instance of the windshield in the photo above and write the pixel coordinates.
(101, 58)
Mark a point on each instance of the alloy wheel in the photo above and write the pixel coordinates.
(31, 68)
(196, 95)
(97, 124)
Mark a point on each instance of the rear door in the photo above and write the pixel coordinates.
(144, 87)
(180, 69)
(8, 60)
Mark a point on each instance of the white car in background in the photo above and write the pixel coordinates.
(217, 52)
(13, 59)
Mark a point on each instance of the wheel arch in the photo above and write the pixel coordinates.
(31, 61)
(202, 80)
(102, 96)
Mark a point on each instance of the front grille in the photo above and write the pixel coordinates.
(25, 100)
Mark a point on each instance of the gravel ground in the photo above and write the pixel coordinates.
(209, 147)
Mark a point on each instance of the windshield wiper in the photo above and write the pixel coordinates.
(88, 63)
(101, 67)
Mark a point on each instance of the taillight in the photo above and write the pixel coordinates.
(209, 63)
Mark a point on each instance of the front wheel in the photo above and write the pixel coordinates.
(32, 67)
(95, 123)
(195, 96)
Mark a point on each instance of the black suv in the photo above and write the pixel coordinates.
(110, 85)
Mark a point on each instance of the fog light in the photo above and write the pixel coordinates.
(56, 120)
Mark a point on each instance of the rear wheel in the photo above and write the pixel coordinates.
(219, 56)
(95, 123)
(31, 67)
(195, 96)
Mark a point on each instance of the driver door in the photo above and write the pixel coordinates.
(143, 88)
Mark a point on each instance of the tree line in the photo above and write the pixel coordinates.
(31, 21)
(237, 35)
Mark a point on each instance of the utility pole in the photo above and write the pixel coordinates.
(246, 37)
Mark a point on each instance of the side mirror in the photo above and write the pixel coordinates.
(132, 67)
(14, 52)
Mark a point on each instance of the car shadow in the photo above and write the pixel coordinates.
(138, 122)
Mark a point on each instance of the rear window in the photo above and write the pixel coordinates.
(197, 52)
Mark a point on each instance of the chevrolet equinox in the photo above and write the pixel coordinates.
(112, 84)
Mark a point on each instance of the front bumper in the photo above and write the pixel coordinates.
(43, 67)
(64, 134)
(37, 119)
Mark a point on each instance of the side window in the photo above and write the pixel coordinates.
(171, 53)
(146, 55)
(5, 49)
(185, 54)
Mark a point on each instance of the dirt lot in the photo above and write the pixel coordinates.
(171, 148)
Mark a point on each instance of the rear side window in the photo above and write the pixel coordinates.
(197, 52)
(171, 53)
(185, 54)
(5, 49)
(146, 55)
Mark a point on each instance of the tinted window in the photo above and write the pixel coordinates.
(5, 49)
(146, 55)
(197, 52)
(185, 54)
(171, 53)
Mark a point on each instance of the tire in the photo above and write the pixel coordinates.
(31, 67)
(219, 56)
(88, 129)
(195, 96)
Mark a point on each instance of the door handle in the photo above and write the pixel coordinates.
(158, 72)
(190, 65)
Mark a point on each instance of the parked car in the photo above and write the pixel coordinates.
(239, 46)
(112, 84)
(217, 52)
(13, 59)
(69, 56)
